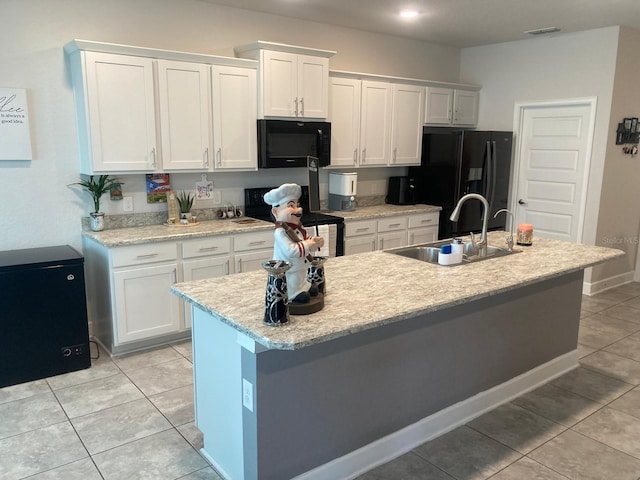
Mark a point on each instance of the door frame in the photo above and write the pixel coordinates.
(518, 119)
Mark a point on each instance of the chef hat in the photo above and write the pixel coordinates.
(283, 194)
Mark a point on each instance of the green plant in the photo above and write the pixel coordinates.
(97, 188)
(185, 200)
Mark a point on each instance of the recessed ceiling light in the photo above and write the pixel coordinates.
(408, 13)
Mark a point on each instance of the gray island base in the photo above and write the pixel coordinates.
(276, 403)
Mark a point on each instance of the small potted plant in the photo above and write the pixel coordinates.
(97, 186)
(185, 201)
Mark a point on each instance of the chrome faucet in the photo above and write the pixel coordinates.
(510, 237)
(481, 246)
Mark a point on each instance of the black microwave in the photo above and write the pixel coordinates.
(288, 143)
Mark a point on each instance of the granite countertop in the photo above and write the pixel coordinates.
(373, 289)
(159, 233)
(386, 210)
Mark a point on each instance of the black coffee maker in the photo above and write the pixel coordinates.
(401, 191)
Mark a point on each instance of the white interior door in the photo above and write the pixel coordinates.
(553, 163)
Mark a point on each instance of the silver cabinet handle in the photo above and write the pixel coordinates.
(296, 103)
(226, 267)
(364, 155)
(206, 157)
(302, 106)
(395, 154)
(219, 157)
(208, 249)
(153, 157)
(259, 242)
(394, 225)
(174, 276)
(355, 156)
(239, 266)
(364, 229)
(427, 220)
(147, 255)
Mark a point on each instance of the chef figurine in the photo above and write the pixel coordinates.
(291, 240)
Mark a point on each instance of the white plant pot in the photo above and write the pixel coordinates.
(96, 221)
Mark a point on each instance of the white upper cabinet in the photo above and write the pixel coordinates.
(406, 124)
(142, 110)
(115, 111)
(293, 82)
(234, 118)
(449, 106)
(185, 116)
(375, 123)
(465, 107)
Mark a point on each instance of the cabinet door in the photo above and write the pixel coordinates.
(375, 123)
(361, 244)
(438, 105)
(392, 239)
(423, 235)
(250, 261)
(344, 115)
(208, 267)
(465, 107)
(234, 118)
(313, 86)
(406, 124)
(144, 304)
(279, 84)
(121, 113)
(185, 120)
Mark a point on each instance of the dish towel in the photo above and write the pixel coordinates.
(328, 232)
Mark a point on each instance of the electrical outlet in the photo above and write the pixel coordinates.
(217, 197)
(247, 394)
(127, 204)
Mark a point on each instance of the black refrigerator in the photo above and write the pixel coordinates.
(43, 324)
(457, 162)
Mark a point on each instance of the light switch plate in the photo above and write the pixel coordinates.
(247, 394)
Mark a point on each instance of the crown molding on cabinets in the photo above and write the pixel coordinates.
(411, 81)
(88, 45)
(242, 50)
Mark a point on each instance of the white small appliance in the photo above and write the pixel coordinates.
(342, 191)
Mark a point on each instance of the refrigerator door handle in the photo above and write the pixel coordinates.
(494, 169)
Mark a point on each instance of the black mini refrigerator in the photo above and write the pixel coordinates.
(43, 314)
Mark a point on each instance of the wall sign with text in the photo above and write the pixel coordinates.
(15, 139)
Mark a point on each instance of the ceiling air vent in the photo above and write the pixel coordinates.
(543, 31)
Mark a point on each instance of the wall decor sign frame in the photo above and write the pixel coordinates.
(15, 137)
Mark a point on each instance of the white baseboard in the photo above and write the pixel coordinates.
(398, 443)
(592, 288)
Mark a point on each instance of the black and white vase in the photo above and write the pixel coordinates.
(315, 274)
(276, 301)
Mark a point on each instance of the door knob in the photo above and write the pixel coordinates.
(522, 202)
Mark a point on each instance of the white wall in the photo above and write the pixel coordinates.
(561, 66)
(36, 206)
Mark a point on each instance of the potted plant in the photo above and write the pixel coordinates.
(185, 201)
(97, 186)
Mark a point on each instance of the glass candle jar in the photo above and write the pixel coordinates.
(525, 234)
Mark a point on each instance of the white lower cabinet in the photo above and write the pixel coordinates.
(251, 250)
(142, 307)
(390, 232)
(204, 258)
(423, 228)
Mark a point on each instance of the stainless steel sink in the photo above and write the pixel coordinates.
(428, 252)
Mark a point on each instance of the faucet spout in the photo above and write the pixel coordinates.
(482, 245)
(510, 237)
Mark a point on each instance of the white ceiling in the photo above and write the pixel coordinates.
(459, 23)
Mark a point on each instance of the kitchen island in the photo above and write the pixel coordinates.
(402, 352)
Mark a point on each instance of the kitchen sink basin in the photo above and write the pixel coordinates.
(429, 252)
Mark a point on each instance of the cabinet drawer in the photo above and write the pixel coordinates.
(392, 223)
(424, 220)
(360, 227)
(203, 247)
(253, 241)
(145, 253)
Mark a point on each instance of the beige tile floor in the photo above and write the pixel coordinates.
(132, 418)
